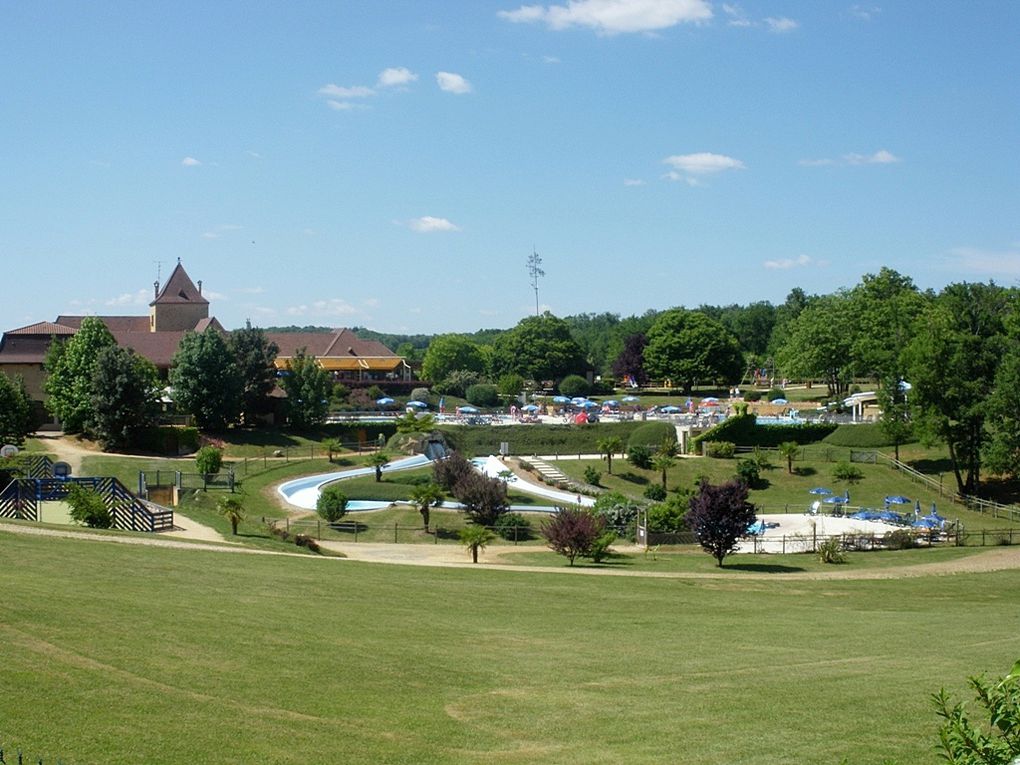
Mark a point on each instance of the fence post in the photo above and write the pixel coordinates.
(355, 531)
(395, 532)
(288, 524)
(982, 537)
(515, 535)
(784, 544)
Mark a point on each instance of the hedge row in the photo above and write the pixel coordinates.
(744, 431)
(167, 439)
(481, 440)
(863, 436)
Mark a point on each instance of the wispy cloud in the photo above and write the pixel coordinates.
(784, 263)
(141, 297)
(428, 224)
(990, 263)
(214, 233)
(190, 162)
(323, 308)
(396, 76)
(336, 91)
(691, 167)
(342, 106)
(550, 60)
(865, 12)
(633, 182)
(610, 17)
(880, 157)
(452, 83)
(737, 17)
(781, 24)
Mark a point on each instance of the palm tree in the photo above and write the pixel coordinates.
(475, 538)
(231, 509)
(332, 445)
(789, 451)
(377, 461)
(663, 462)
(427, 496)
(609, 446)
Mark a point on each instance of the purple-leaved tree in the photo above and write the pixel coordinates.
(719, 517)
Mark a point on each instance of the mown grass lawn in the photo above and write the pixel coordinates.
(119, 654)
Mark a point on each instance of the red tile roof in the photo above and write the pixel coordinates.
(113, 323)
(179, 289)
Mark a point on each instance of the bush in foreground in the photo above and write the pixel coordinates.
(572, 532)
(332, 504)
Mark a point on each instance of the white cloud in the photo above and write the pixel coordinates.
(688, 167)
(452, 83)
(210, 235)
(215, 296)
(550, 60)
(372, 302)
(609, 17)
(737, 16)
(335, 91)
(190, 162)
(865, 12)
(251, 290)
(323, 308)
(784, 263)
(781, 24)
(141, 297)
(633, 182)
(394, 76)
(342, 106)
(428, 224)
(880, 157)
(991, 263)
(253, 154)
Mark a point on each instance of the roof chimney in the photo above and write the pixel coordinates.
(155, 288)
(199, 286)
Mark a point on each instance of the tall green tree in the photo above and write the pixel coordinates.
(254, 356)
(125, 397)
(205, 380)
(884, 308)
(953, 361)
(689, 348)
(71, 366)
(538, 348)
(308, 389)
(895, 422)
(451, 353)
(1002, 453)
(15, 411)
(819, 343)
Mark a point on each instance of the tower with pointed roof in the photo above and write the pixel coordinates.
(179, 305)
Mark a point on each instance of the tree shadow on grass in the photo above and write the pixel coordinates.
(804, 471)
(932, 466)
(349, 527)
(763, 568)
(447, 534)
(632, 478)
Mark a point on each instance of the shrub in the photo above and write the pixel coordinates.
(332, 504)
(748, 472)
(720, 449)
(209, 460)
(599, 550)
(900, 539)
(651, 434)
(752, 395)
(513, 526)
(592, 475)
(510, 385)
(745, 432)
(831, 551)
(846, 471)
(669, 516)
(421, 394)
(655, 492)
(88, 508)
(775, 393)
(617, 510)
(574, 385)
(375, 392)
(482, 394)
(640, 456)
(167, 439)
(864, 435)
(456, 383)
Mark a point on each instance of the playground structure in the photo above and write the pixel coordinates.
(24, 498)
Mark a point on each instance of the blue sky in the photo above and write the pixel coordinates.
(392, 164)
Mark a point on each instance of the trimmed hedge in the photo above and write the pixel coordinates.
(481, 440)
(863, 436)
(744, 431)
(652, 434)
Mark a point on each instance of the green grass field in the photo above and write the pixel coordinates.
(122, 654)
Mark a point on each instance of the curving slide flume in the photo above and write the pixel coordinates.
(304, 492)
